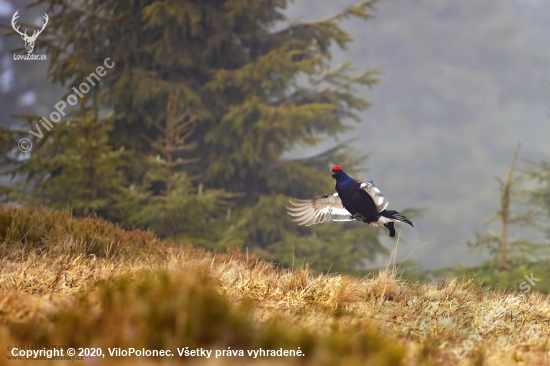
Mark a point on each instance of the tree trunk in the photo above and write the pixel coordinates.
(505, 212)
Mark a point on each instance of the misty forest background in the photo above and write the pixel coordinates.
(217, 112)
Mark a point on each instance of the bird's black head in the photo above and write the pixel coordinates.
(337, 172)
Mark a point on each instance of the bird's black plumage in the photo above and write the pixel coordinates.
(354, 200)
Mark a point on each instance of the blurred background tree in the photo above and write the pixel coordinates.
(74, 166)
(511, 260)
(540, 197)
(166, 201)
(511, 192)
(251, 86)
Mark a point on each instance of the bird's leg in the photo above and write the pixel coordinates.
(355, 216)
(391, 228)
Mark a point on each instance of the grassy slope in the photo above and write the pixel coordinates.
(69, 281)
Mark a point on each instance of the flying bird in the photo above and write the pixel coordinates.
(353, 200)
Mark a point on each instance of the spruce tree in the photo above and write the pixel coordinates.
(72, 166)
(166, 201)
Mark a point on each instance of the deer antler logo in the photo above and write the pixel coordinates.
(29, 41)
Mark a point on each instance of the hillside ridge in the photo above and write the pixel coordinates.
(62, 276)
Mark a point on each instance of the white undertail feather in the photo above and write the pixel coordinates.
(382, 221)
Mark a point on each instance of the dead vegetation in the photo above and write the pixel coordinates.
(86, 282)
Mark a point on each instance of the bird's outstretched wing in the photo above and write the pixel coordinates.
(318, 210)
(379, 199)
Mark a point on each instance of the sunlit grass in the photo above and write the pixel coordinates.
(68, 281)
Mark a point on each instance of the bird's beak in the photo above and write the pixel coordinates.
(332, 171)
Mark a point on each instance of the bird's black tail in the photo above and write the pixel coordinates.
(390, 214)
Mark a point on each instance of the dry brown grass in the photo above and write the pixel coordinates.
(90, 283)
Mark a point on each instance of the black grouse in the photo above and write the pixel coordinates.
(354, 200)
